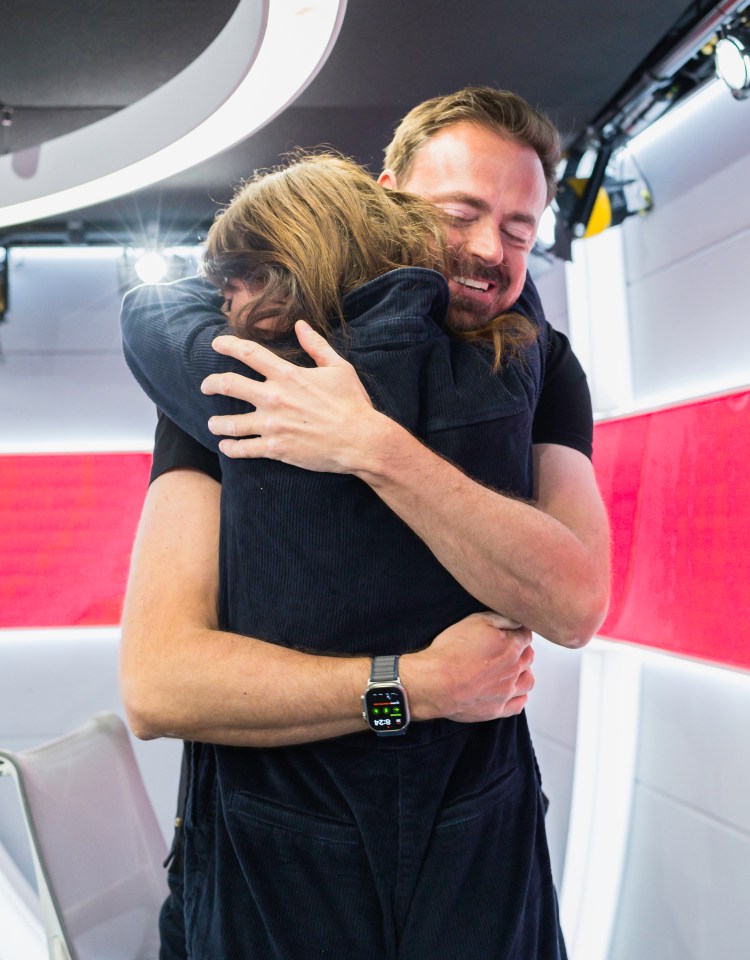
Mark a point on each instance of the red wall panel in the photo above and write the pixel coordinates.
(675, 483)
(67, 524)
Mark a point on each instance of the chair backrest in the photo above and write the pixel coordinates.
(96, 843)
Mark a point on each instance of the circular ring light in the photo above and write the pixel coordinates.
(266, 55)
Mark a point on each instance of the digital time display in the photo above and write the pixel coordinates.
(386, 709)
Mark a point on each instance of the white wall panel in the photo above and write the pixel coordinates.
(550, 283)
(686, 883)
(72, 402)
(695, 742)
(64, 384)
(598, 316)
(52, 682)
(686, 887)
(556, 764)
(552, 713)
(713, 210)
(64, 299)
(553, 703)
(686, 260)
(690, 324)
(708, 132)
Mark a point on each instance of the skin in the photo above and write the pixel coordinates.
(183, 677)
(494, 193)
(545, 564)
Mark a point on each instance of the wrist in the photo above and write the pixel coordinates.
(385, 702)
(378, 446)
(421, 677)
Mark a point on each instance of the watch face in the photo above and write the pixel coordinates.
(386, 709)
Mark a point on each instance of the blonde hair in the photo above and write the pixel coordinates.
(318, 228)
(313, 231)
(501, 111)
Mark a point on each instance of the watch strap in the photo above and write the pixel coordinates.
(384, 669)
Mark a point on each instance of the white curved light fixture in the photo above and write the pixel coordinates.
(266, 55)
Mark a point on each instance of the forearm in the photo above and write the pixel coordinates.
(183, 677)
(545, 564)
(513, 556)
(218, 687)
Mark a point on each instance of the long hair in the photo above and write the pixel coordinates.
(311, 232)
(308, 233)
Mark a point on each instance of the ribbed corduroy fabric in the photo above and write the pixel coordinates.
(431, 845)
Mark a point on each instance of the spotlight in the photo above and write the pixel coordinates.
(154, 266)
(614, 201)
(733, 63)
(151, 267)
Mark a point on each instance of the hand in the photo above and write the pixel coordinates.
(478, 669)
(319, 418)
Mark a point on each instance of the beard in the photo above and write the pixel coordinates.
(470, 311)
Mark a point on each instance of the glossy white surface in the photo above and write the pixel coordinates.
(608, 729)
(65, 384)
(552, 712)
(53, 681)
(686, 887)
(263, 58)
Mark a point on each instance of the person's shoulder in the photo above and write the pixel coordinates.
(194, 289)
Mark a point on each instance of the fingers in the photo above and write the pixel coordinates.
(267, 363)
(514, 637)
(252, 354)
(316, 346)
(233, 385)
(504, 623)
(500, 621)
(234, 425)
(514, 706)
(253, 448)
(511, 703)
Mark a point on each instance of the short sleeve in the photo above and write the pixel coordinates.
(564, 414)
(175, 449)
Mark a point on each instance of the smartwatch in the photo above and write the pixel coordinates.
(385, 706)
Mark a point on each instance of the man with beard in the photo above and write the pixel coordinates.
(475, 864)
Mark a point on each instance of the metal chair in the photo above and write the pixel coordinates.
(96, 844)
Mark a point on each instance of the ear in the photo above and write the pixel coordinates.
(387, 179)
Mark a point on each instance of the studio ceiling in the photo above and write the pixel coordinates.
(65, 65)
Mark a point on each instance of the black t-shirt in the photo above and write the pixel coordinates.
(563, 416)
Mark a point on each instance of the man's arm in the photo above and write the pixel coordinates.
(167, 330)
(545, 564)
(183, 677)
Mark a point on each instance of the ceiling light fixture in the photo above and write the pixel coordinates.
(261, 61)
(732, 58)
(155, 264)
(608, 202)
(151, 267)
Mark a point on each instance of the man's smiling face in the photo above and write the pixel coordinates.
(493, 193)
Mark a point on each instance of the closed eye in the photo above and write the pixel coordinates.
(458, 214)
(516, 238)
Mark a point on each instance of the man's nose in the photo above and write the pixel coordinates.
(485, 242)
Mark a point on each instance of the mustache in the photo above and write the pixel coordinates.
(474, 267)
